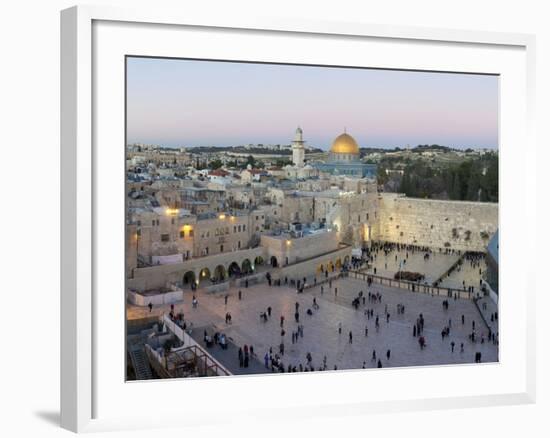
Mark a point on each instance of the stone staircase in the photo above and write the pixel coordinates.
(140, 362)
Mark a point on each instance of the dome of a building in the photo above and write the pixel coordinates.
(344, 144)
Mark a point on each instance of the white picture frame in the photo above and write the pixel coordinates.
(83, 378)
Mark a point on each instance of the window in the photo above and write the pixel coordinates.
(244, 227)
(239, 228)
(234, 228)
(153, 223)
(367, 216)
(191, 233)
(257, 217)
(221, 248)
(173, 221)
(239, 244)
(182, 234)
(165, 237)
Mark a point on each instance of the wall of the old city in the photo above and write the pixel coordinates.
(452, 224)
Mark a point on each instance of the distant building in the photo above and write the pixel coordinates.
(344, 159)
(298, 150)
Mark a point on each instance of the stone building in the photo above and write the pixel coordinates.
(344, 159)
(298, 150)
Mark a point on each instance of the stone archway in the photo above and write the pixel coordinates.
(258, 261)
(234, 269)
(274, 262)
(188, 278)
(320, 269)
(219, 273)
(204, 275)
(246, 267)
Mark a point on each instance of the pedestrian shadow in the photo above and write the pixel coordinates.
(51, 417)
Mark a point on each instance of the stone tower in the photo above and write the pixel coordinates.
(298, 151)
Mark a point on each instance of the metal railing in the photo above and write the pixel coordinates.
(414, 286)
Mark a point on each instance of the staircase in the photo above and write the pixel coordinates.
(140, 362)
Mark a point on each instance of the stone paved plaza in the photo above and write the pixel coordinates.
(432, 268)
(466, 273)
(321, 335)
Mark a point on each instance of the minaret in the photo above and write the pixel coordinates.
(298, 151)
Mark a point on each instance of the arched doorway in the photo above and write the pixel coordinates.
(274, 263)
(338, 263)
(259, 261)
(188, 278)
(219, 273)
(246, 267)
(320, 269)
(330, 266)
(204, 274)
(234, 269)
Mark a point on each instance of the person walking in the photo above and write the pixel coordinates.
(240, 294)
(388, 353)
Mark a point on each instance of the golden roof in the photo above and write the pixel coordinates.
(344, 144)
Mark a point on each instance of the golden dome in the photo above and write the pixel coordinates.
(344, 144)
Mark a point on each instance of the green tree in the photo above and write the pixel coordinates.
(215, 164)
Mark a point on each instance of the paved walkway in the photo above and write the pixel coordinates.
(321, 337)
(229, 357)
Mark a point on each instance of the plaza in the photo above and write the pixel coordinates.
(321, 336)
(434, 268)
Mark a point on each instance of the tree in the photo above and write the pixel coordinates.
(215, 164)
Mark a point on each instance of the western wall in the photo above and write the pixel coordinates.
(458, 225)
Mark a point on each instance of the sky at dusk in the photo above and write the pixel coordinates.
(175, 102)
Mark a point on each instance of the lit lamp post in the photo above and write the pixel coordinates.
(288, 244)
(138, 234)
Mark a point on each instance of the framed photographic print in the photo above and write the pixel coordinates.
(291, 207)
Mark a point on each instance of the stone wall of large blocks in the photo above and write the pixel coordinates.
(290, 251)
(440, 224)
